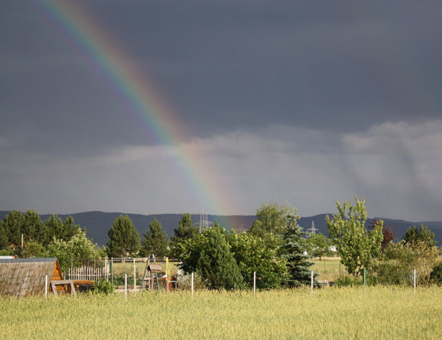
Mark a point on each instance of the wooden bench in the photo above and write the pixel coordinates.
(64, 283)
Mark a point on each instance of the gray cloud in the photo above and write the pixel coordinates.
(305, 101)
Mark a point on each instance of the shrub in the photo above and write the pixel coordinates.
(436, 274)
(397, 262)
(103, 287)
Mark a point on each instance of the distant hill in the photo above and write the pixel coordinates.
(98, 223)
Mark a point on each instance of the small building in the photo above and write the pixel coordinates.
(24, 277)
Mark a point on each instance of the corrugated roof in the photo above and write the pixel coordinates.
(23, 277)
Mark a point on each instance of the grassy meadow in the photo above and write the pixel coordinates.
(346, 313)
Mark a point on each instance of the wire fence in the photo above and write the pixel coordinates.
(134, 274)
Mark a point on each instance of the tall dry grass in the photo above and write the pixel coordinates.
(347, 313)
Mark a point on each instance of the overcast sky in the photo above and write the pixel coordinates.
(305, 102)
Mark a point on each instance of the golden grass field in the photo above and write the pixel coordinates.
(332, 313)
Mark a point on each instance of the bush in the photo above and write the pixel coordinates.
(348, 281)
(397, 262)
(103, 287)
(436, 274)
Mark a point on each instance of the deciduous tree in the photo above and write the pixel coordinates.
(355, 244)
(270, 218)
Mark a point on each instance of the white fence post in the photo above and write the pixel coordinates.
(135, 276)
(191, 283)
(414, 279)
(311, 280)
(125, 286)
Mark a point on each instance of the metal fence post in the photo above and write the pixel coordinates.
(46, 286)
(191, 284)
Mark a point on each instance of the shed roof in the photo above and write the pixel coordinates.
(23, 277)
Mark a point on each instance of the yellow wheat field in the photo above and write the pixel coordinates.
(346, 313)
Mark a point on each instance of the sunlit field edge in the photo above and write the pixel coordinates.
(333, 313)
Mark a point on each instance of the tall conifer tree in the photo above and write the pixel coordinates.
(124, 238)
(293, 248)
(154, 241)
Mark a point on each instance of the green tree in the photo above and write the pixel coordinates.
(185, 231)
(270, 218)
(355, 244)
(3, 237)
(318, 245)
(12, 225)
(210, 257)
(294, 251)
(124, 238)
(54, 229)
(254, 254)
(33, 228)
(155, 241)
(415, 234)
(79, 246)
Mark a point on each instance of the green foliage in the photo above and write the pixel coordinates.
(103, 287)
(79, 246)
(155, 241)
(216, 264)
(33, 228)
(294, 251)
(253, 254)
(436, 273)
(64, 231)
(270, 218)
(355, 244)
(33, 249)
(3, 237)
(398, 260)
(209, 256)
(184, 232)
(12, 225)
(124, 238)
(423, 234)
(318, 245)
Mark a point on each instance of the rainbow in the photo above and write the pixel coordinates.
(143, 103)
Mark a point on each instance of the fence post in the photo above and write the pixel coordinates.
(414, 279)
(365, 281)
(46, 286)
(254, 283)
(72, 266)
(311, 280)
(112, 272)
(125, 286)
(135, 276)
(191, 286)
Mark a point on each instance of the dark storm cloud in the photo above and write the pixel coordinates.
(226, 64)
(309, 101)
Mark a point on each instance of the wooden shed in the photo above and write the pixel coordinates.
(24, 277)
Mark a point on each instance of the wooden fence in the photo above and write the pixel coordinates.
(87, 273)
